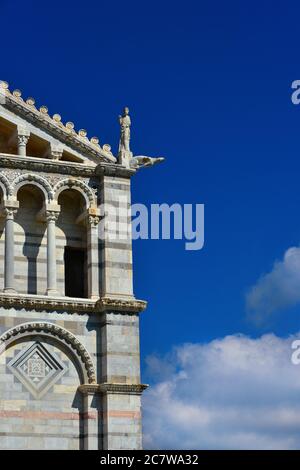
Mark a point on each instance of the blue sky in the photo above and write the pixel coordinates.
(208, 85)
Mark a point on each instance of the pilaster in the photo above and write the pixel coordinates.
(115, 236)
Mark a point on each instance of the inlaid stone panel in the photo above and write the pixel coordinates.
(37, 369)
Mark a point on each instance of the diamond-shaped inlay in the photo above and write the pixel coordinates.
(37, 369)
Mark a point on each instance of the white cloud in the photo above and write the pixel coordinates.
(278, 289)
(232, 393)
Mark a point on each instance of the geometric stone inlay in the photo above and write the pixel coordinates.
(37, 369)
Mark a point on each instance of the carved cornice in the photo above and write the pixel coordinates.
(43, 302)
(122, 305)
(66, 133)
(61, 167)
(104, 388)
(114, 170)
(45, 165)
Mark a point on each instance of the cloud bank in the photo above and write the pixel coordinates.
(277, 290)
(232, 393)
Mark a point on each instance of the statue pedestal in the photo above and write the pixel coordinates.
(124, 158)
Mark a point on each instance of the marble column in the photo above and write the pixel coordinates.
(92, 256)
(22, 143)
(51, 217)
(91, 400)
(9, 252)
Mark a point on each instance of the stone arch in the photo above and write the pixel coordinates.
(36, 180)
(5, 186)
(70, 183)
(61, 335)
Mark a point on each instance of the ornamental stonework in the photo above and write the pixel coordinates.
(37, 369)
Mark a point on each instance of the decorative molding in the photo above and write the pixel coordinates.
(74, 183)
(7, 186)
(128, 389)
(46, 165)
(29, 178)
(68, 168)
(51, 186)
(66, 133)
(114, 170)
(121, 305)
(104, 388)
(55, 331)
(43, 302)
(89, 389)
(37, 369)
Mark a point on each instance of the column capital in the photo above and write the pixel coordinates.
(52, 212)
(93, 216)
(9, 213)
(23, 135)
(93, 220)
(90, 217)
(22, 139)
(52, 216)
(9, 208)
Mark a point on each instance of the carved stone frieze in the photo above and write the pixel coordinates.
(12, 179)
(104, 388)
(41, 302)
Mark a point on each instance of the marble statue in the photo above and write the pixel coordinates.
(125, 124)
(125, 155)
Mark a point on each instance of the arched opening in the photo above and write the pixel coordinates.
(42, 373)
(30, 242)
(71, 243)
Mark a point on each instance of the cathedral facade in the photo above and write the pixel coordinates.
(69, 321)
